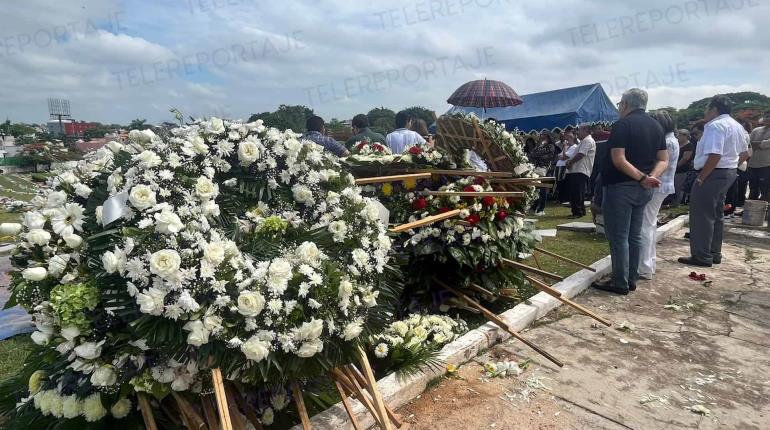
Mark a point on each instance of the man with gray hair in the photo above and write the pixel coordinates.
(637, 156)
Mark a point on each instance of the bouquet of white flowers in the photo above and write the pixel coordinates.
(222, 244)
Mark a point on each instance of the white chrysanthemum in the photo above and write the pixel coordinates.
(93, 410)
(121, 409)
(38, 237)
(71, 407)
(353, 330)
(34, 273)
(302, 194)
(381, 350)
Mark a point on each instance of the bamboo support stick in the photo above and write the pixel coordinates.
(525, 268)
(301, 409)
(512, 194)
(210, 413)
(221, 398)
(187, 411)
(377, 396)
(361, 380)
(446, 172)
(500, 323)
(561, 257)
(425, 221)
(482, 290)
(556, 294)
(355, 390)
(524, 180)
(392, 178)
(147, 416)
(346, 404)
(251, 415)
(537, 263)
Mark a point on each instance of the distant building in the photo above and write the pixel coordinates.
(71, 128)
(8, 146)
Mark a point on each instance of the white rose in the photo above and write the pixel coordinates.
(352, 330)
(73, 240)
(56, 199)
(89, 350)
(165, 263)
(209, 208)
(113, 146)
(280, 270)
(148, 159)
(34, 274)
(141, 136)
(92, 408)
(121, 409)
(248, 152)
(311, 330)
(167, 222)
(70, 332)
(198, 334)
(255, 349)
(151, 301)
(216, 126)
(205, 189)
(83, 190)
(68, 177)
(104, 377)
(34, 220)
(309, 349)
(302, 194)
(57, 264)
(250, 303)
(114, 262)
(309, 252)
(346, 289)
(40, 338)
(199, 145)
(214, 253)
(142, 197)
(10, 228)
(38, 237)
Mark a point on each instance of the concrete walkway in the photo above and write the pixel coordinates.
(693, 355)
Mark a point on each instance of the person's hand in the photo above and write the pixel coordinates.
(651, 182)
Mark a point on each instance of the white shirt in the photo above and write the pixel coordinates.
(402, 138)
(667, 177)
(587, 147)
(569, 153)
(724, 136)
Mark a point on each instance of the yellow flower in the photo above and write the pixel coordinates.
(410, 184)
(387, 189)
(451, 369)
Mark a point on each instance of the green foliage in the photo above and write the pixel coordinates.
(286, 117)
(336, 125)
(39, 177)
(69, 301)
(382, 120)
(745, 100)
(422, 113)
(16, 130)
(98, 132)
(138, 124)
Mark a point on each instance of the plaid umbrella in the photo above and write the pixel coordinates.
(485, 94)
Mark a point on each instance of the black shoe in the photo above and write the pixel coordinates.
(687, 235)
(717, 260)
(690, 261)
(609, 286)
(631, 286)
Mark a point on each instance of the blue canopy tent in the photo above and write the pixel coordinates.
(551, 109)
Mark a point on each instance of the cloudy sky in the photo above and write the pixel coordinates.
(116, 61)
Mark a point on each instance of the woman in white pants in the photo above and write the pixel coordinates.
(650, 222)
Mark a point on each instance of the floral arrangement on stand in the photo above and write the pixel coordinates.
(407, 344)
(366, 153)
(222, 244)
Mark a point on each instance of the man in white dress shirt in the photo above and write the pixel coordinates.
(719, 152)
(402, 138)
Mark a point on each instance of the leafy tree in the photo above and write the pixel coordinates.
(746, 101)
(382, 120)
(336, 125)
(286, 117)
(422, 113)
(138, 124)
(97, 132)
(16, 129)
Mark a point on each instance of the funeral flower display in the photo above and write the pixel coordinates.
(222, 244)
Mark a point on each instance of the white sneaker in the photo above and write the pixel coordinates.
(646, 276)
(541, 213)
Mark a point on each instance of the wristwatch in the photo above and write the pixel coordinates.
(645, 176)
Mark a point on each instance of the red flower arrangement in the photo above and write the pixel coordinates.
(473, 219)
(415, 150)
(487, 201)
(501, 215)
(419, 204)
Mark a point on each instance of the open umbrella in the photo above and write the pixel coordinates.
(485, 94)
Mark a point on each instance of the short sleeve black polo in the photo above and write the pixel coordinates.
(642, 137)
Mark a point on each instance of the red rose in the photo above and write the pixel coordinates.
(360, 145)
(488, 201)
(502, 215)
(378, 147)
(415, 150)
(419, 204)
(469, 189)
(443, 210)
(473, 219)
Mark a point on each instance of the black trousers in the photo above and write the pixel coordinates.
(576, 183)
(759, 183)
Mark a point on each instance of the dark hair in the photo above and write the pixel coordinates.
(402, 118)
(664, 119)
(747, 125)
(699, 126)
(723, 104)
(420, 127)
(360, 121)
(529, 139)
(549, 137)
(315, 123)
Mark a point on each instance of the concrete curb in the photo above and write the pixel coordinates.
(397, 391)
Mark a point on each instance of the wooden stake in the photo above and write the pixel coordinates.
(187, 411)
(500, 323)
(426, 221)
(560, 257)
(221, 397)
(537, 263)
(233, 393)
(482, 290)
(301, 409)
(353, 370)
(524, 180)
(445, 172)
(511, 194)
(346, 404)
(556, 294)
(392, 178)
(355, 390)
(210, 412)
(379, 404)
(525, 268)
(147, 416)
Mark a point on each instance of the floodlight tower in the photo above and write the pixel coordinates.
(58, 109)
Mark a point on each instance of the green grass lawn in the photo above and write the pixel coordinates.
(17, 187)
(13, 352)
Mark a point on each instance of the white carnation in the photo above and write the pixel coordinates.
(10, 229)
(34, 274)
(114, 262)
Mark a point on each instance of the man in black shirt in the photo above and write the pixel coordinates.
(637, 156)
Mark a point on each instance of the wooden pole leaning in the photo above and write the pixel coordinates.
(392, 178)
(556, 294)
(301, 409)
(147, 416)
(500, 323)
(220, 395)
(449, 172)
(525, 268)
(563, 258)
(379, 404)
(512, 194)
(425, 221)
